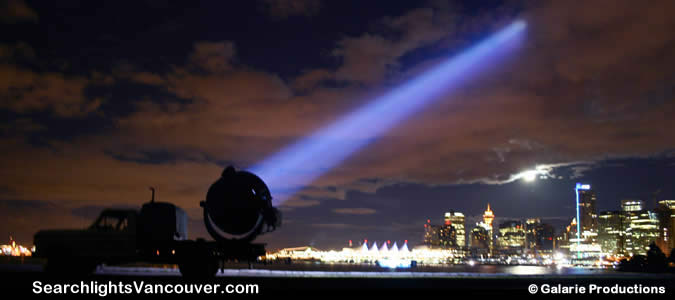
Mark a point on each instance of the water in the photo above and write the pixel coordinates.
(314, 269)
(524, 270)
(310, 268)
(443, 272)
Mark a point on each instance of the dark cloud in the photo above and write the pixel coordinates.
(213, 57)
(372, 57)
(20, 127)
(16, 11)
(282, 9)
(16, 52)
(25, 91)
(355, 211)
(339, 226)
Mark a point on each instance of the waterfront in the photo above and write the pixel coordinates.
(317, 269)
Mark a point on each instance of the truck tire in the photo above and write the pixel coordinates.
(199, 268)
(199, 263)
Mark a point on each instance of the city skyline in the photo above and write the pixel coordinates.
(598, 239)
(591, 235)
(115, 100)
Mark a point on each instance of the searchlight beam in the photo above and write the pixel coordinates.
(309, 158)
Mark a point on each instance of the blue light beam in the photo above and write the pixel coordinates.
(309, 158)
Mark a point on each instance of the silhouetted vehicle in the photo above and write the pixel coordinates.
(238, 208)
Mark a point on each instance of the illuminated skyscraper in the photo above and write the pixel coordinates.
(612, 232)
(480, 240)
(588, 217)
(488, 217)
(585, 243)
(666, 214)
(539, 236)
(531, 232)
(642, 230)
(545, 235)
(628, 205)
(641, 227)
(431, 234)
(447, 236)
(511, 238)
(456, 220)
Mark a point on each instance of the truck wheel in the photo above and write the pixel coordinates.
(56, 265)
(70, 266)
(199, 268)
(199, 263)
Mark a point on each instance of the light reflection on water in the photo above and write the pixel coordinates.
(528, 270)
(517, 270)
(448, 269)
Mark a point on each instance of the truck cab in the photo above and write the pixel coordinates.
(116, 236)
(112, 237)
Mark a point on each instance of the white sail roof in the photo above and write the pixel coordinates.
(374, 247)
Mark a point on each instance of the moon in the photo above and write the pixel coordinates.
(530, 176)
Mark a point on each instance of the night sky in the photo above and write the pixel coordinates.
(100, 100)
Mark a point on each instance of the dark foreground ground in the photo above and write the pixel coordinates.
(321, 282)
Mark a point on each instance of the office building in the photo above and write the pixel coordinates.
(431, 235)
(538, 236)
(629, 205)
(642, 229)
(587, 217)
(447, 237)
(511, 238)
(456, 220)
(480, 240)
(665, 212)
(530, 232)
(612, 232)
